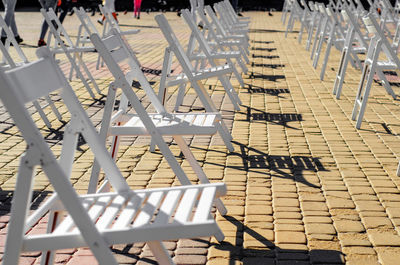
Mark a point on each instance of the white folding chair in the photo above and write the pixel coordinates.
(314, 24)
(205, 54)
(202, 55)
(96, 220)
(232, 11)
(287, 6)
(230, 24)
(372, 65)
(353, 36)
(8, 61)
(219, 43)
(296, 14)
(336, 38)
(195, 77)
(68, 48)
(305, 20)
(322, 29)
(114, 50)
(225, 35)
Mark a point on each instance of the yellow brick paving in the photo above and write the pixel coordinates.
(304, 186)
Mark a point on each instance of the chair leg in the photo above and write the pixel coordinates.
(180, 96)
(385, 83)
(233, 96)
(19, 210)
(398, 170)
(337, 87)
(160, 253)
(325, 62)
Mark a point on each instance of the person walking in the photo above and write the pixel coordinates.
(46, 4)
(9, 18)
(137, 4)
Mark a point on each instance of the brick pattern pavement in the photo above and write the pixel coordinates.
(304, 186)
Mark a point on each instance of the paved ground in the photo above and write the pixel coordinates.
(304, 186)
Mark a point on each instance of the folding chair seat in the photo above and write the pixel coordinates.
(10, 62)
(72, 52)
(114, 50)
(97, 220)
(374, 65)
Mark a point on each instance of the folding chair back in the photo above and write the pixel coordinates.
(98, 220)
(9, 61)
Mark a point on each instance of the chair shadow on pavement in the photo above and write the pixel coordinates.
(256, 115)
(267, 252)
(253, 89)
(264, 65)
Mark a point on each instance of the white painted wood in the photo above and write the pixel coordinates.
(114, 212)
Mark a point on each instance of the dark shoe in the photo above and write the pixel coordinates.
(125, 12)
(18, 39)
(71, 12)
(240, 14)
(138, 17)
(41, 43)
(100, 22)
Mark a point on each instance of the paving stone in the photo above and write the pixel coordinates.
(326, 256)
(362, 259)
(354, 239)
(376, 222)
(345, 226)
(190, 259)
(290, 237)
(388, 255)
(313, 228)
(384, 238)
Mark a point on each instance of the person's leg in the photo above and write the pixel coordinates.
(65, 4)
(9, 18)
(46, 4)
(135, 8)
(235, 5)
(139, 3)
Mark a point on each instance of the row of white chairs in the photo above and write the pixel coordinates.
(111, 212)
(372, 35)
(354, 31)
